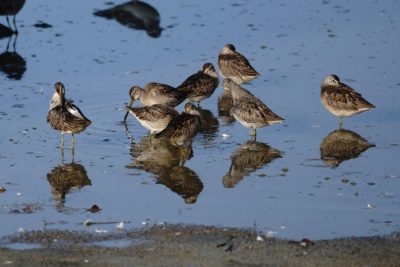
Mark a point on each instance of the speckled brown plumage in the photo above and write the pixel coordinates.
(200, 85)
(235, 66)
(157, 93)
(342, 100)
(184, 126)
(63, 115)
(154, 118)
(250, 111)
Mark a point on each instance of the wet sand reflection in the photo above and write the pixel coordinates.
(166, 161)
(135, 14)
(341, 145)
(65, 177)
(249, 157)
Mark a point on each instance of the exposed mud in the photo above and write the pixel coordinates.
(177, 245)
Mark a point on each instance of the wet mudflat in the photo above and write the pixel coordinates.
(175, 245)
(299, 179)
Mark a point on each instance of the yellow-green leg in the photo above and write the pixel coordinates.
(73, 147)
(340, 122)
(62, 148)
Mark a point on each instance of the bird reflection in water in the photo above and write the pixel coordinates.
(225, 104)
(208, 123)
(65, 177)
(135, 14)
(341, 145)
(11, 63)
(165, 160)
(249, 157)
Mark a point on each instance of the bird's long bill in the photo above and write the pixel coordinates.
(127, 111)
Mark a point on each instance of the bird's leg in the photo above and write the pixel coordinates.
(340, 123)
(15, 26)
(62, 149)
(62, 141)
(253, 132)
(8, 22)
(73, 147)
(252, 138)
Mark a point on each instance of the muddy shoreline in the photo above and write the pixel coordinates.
(183, 245)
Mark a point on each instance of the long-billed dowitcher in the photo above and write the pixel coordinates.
(155, 118)
(183, 127)
(250, 111)
(200, 85)
(235, 66)
(341, 100)
(156, 93)
(64, 116)
(135, 14)
(11, 8)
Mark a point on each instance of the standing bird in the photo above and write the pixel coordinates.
(64, 116)
(155, 118)
(11, 8)
(183, 127)
(235, 66)
(250, 111)
(341, 100)
(200, 85)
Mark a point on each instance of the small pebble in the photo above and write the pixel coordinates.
(271, 234)
(2, 189)
(100, 231)
(94, 209)
(370, 206)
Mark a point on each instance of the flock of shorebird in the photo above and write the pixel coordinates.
(159, 116)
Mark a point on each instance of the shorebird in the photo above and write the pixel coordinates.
(341, 100)
(135, 14)
(11, 8)
(250, 111)
(64, 116)
(155, 118)
(183, 127)
(235, 66)
(156, 93)
(200, 85)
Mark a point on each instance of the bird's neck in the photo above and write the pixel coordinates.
(56, 100)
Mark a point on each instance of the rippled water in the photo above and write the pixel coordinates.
(279, 184)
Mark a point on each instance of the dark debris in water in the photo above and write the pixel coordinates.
(42, 25)
(94, 209)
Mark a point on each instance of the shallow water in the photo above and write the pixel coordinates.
(279, 185)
